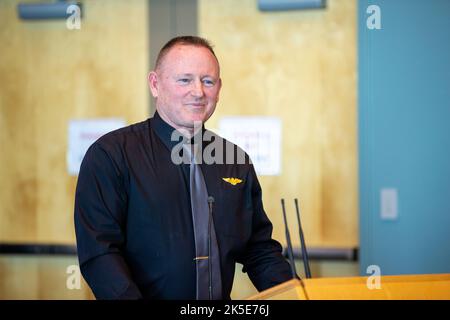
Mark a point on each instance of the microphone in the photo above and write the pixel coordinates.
(302, 243)
(210, 207)
(289, 244)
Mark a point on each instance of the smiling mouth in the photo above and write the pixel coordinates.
(196, 105)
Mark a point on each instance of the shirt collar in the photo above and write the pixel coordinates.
(164, 132)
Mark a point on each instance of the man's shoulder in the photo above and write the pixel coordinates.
(129, 134)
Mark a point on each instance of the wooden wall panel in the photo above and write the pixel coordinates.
(39, 277)
(300, 66)
(49, 75)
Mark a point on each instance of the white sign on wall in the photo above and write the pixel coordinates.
(83, 133)
(260, 137)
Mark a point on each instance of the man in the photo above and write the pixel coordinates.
(148, 226)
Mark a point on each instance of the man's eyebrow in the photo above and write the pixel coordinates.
(192, 75)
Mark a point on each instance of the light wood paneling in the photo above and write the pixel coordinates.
(299, 66)
(39, 277)
(49, 75)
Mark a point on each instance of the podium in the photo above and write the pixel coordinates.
(402, 287)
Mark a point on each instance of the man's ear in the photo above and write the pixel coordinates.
(153, 83)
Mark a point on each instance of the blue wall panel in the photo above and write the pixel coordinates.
(404, 135)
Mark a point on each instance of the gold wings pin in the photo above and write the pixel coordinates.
(232, 181)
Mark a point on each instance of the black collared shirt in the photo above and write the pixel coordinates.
(133, 219)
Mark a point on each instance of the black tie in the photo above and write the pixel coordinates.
(206, 248)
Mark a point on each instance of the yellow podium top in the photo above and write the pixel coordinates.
(403, 287)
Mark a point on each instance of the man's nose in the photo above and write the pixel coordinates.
(197, 89)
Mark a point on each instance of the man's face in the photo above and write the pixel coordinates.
(186, 86)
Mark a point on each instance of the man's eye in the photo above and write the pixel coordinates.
(183, 81)
(208, 82)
